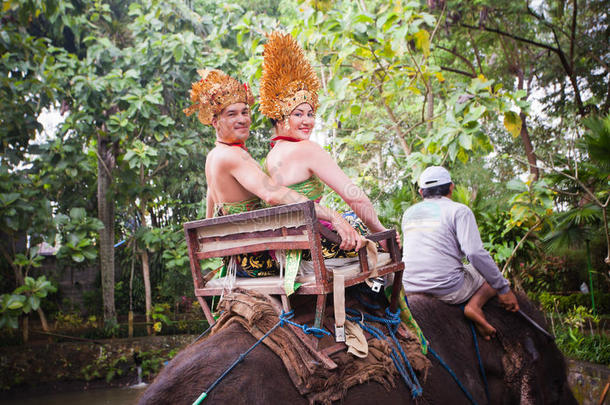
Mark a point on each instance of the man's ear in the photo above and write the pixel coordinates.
(421, 193)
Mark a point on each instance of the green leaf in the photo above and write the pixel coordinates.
(465, 141)
(13, 322)
(15, 301)
(462, 156)
(339, 86)
(78, 214)
(422, 41)
(178, 53)
(520, 94)
(512, 122)
(516, 185)
(8, 198)
(78, 257)
(474, 113)
(34, 302)
(89, 253)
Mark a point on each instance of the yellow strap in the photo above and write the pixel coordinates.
(293, 260)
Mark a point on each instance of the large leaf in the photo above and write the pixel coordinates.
(15, 301)
(422, 41)
(512, 122)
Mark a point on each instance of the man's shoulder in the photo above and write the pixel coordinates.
(221, 156)
(436, 207)
(426, 208)
(461, 208)
(453, 205)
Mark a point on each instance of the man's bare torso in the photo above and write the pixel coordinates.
(222, 186)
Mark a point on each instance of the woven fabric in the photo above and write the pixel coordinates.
(230, 208)
(257, 313)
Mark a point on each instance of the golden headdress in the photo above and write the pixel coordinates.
(288, 78)
(214, 92)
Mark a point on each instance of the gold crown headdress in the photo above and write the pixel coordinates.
(288, 78)
(215, 91)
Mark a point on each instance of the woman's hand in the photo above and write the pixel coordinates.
(350, 238)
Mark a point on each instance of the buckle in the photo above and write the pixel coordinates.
(339, 333)
(377, 284)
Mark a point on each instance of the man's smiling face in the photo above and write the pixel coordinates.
(233, 123)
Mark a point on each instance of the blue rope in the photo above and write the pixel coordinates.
(204, 333)
(391, 322)
(479, 359)
(481, 367)
(284, 319)
(317, 332)
(450, 371)
(395, 319)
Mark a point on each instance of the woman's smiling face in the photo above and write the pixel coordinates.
(300, 122)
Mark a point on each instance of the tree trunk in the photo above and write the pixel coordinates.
(147, 289)
(525, 136)
(429, 109)
(43, 320)
(105, 206)
(26, 328)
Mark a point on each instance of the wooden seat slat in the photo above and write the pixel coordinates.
(229, 249)
(301, 230)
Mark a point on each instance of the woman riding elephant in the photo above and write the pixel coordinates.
(289, 99)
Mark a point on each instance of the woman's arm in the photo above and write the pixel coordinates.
(323, 166)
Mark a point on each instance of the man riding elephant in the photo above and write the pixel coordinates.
(438, 234)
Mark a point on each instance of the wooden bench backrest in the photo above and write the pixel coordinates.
(292, 226)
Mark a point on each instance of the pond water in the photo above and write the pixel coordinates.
(109, 396)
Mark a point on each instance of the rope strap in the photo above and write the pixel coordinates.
(284, 319)
(481, 367)
(453, 375)
(401, 362)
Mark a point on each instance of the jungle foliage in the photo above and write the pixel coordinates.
(513, 98)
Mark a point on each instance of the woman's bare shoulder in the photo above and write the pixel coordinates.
(310, 147)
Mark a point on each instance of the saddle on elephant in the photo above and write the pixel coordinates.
(317, 379)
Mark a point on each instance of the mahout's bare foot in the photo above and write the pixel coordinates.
(476, 315)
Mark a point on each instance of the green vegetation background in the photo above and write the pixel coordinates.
(512, 98)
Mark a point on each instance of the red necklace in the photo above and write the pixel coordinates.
(240, 144)
(283, 138)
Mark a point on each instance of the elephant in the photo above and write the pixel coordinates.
(522, 365)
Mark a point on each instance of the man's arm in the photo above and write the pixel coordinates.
(209, 205)
(469, 239)
(471, 244)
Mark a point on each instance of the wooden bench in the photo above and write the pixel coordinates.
(285, 227)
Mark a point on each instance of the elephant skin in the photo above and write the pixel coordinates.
(522, 366)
